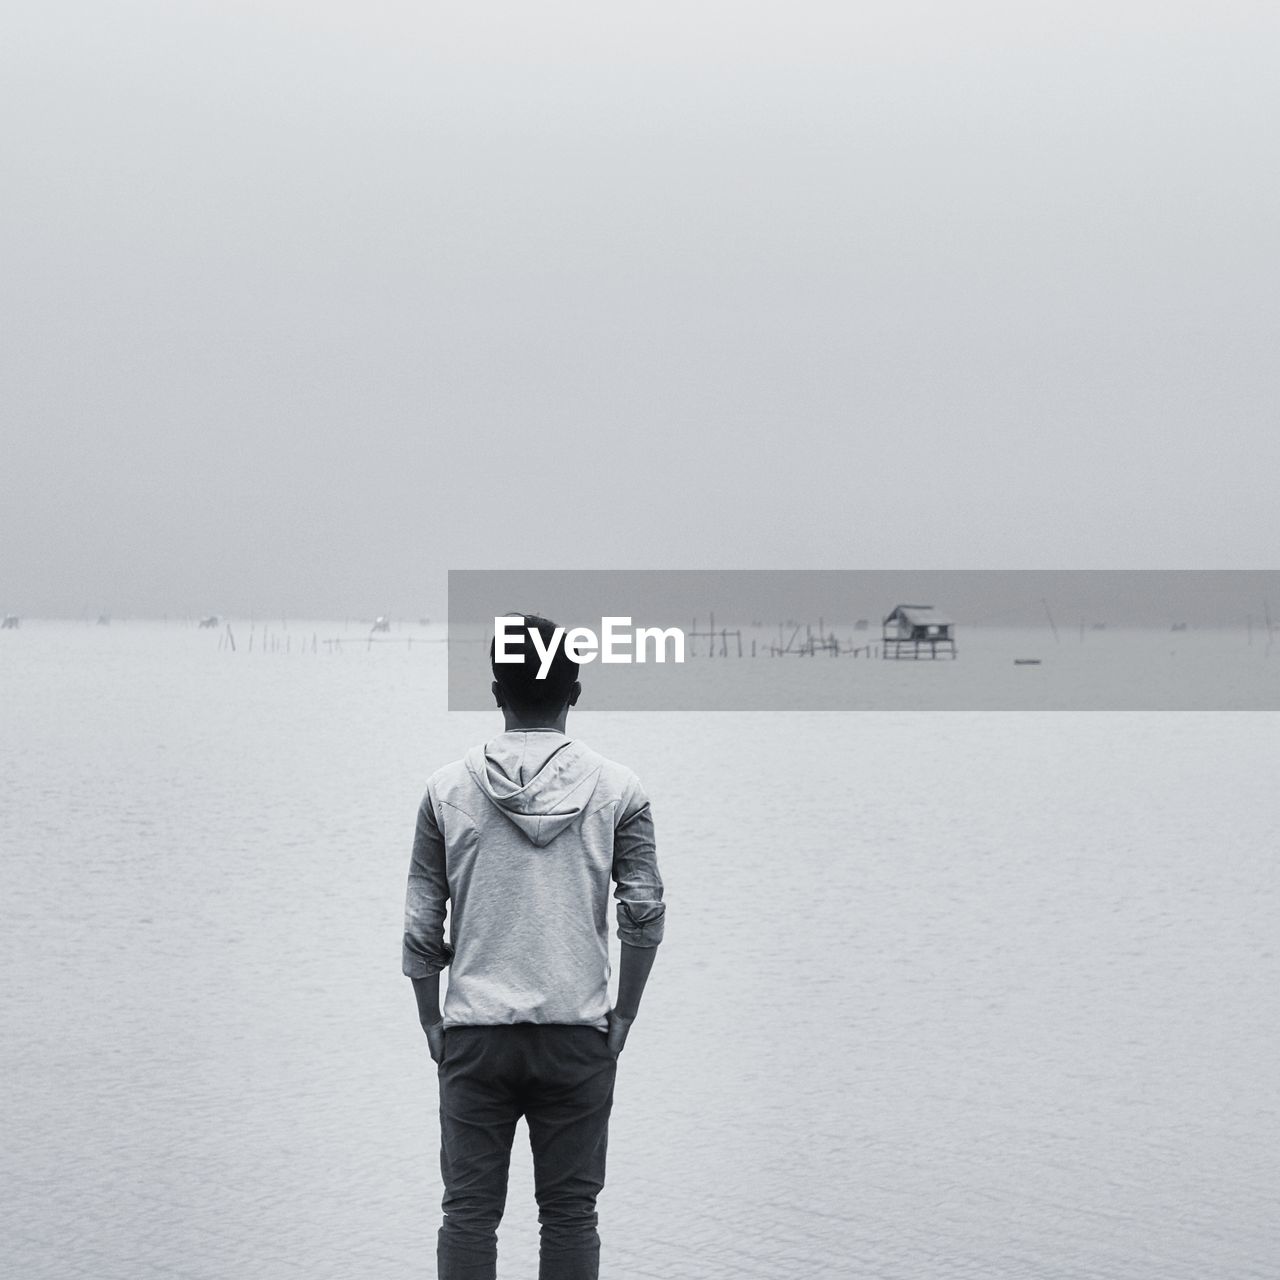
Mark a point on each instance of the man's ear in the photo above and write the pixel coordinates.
(496, 689)
(574, 692)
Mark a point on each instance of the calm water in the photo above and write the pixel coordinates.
(1120, 669)
(988, 995)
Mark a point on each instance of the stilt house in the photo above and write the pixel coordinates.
(918, 631)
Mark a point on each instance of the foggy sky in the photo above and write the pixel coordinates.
(305, 304)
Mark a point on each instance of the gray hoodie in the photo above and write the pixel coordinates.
(522, 839)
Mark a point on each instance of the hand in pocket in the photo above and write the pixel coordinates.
(435, 1041)
(617, 1033)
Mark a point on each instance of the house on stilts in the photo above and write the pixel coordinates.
(918, 631)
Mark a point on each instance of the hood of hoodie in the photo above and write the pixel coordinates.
(540, 779)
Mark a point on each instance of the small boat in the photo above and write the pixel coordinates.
(1026, 662)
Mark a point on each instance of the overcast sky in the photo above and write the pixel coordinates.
(304, 304)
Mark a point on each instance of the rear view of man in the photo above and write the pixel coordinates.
(522, 839)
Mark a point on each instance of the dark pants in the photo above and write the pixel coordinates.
(560, 1078)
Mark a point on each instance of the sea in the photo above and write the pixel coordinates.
(944, 992)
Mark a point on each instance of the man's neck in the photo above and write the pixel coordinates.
(515, 723)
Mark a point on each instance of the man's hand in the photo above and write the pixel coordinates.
(427, 993)
(618, 1028)
(435, 1040)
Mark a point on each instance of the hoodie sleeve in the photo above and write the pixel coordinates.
(425, 950)
(641, 911)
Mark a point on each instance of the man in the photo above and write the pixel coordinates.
(521, 839)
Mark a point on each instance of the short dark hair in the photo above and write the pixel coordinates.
(519, 680)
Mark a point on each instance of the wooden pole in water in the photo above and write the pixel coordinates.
(1053, 628)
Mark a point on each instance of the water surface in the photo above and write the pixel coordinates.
(948, 993)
